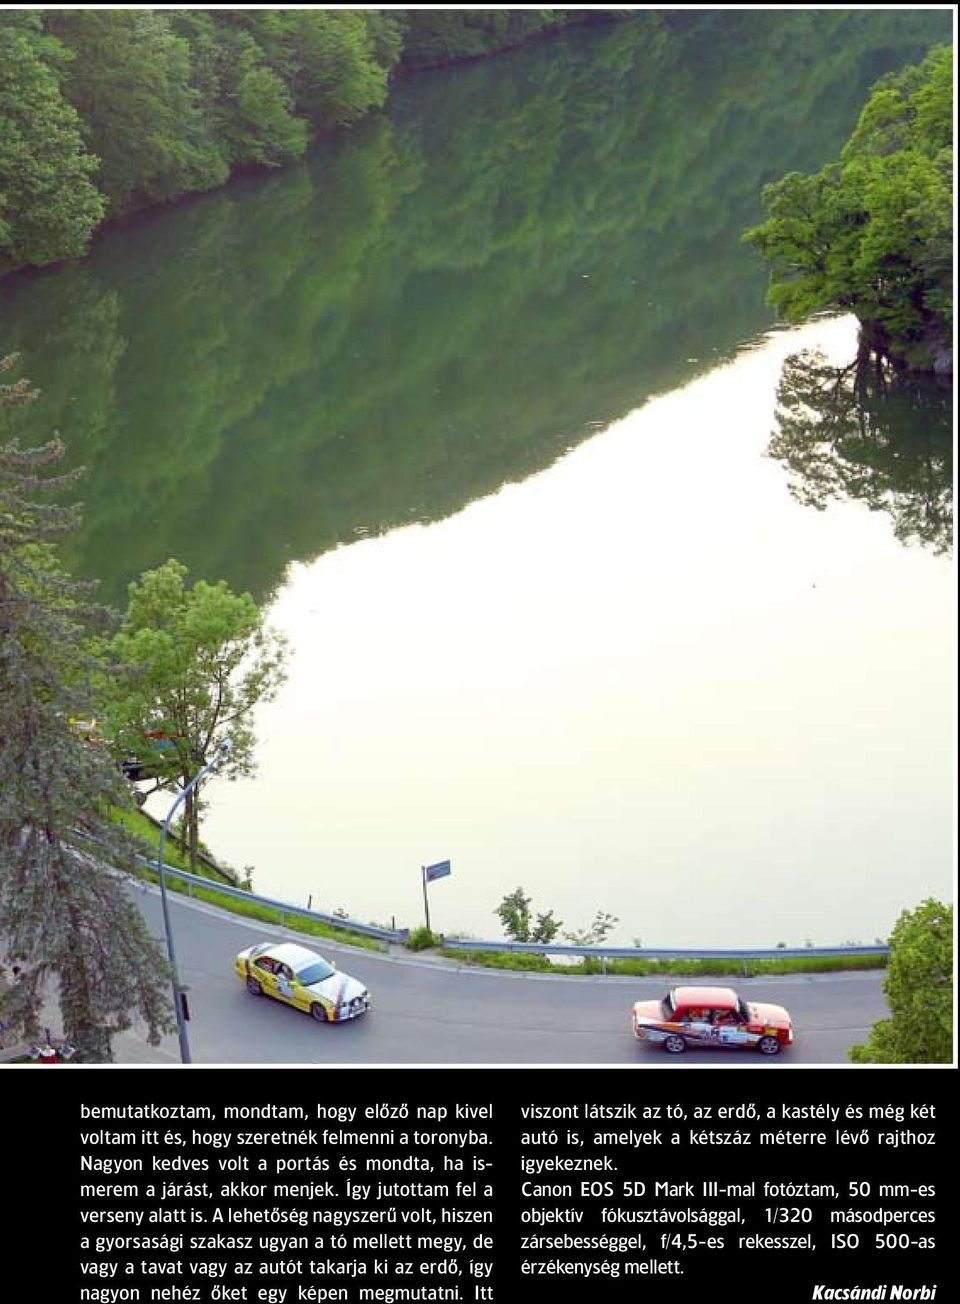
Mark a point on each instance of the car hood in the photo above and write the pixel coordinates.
(339, 988)
(774, 1015)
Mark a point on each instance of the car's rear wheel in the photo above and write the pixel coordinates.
(769, 1045)
(253, 987)
(319, 1012)
(674, 1045)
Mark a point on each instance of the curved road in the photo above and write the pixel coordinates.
(432, 1012)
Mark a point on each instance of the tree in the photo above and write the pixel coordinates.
(596, 933)
(514, 912)
(130, 82)
(247, 110)
(873, 233)
(62, 910)
(264, 128)
(190, 664)
(919, 991)
(49, 205)
(328, 58)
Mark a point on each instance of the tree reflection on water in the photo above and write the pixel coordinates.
(866, 432)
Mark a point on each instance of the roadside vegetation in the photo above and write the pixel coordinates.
(919, 992)
(138, 823)
(531, 962)
(520, 925)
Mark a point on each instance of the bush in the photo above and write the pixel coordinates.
(919, 992)
(421, 938)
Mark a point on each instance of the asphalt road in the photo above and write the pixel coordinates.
(432, 1012)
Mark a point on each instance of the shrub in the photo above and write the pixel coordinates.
(421, 938)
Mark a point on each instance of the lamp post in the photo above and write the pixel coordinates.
(178, 992)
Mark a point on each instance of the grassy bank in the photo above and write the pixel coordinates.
(643, 968)
(138, 824)
(141, 826)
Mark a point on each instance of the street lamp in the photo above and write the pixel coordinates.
(178, 992)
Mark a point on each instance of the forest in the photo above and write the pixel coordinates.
(107, 111)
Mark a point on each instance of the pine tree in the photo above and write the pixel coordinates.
(64, 911)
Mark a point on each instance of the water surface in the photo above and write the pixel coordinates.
(482, 401)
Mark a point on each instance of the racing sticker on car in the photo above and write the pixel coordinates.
(735, 1036)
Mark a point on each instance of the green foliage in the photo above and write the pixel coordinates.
(267, 914)
(514, 912)
(419, 939)
(437, 36)
(596, 933)
(326, 57)
(129, 80)
(61, 910)
(189, 664)
(919, 992)
(873, 233)
(264, 129)
(644, 968)
(48, 204)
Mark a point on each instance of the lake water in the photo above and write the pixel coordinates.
(484, 404)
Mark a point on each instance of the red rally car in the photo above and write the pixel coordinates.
(711, 1017)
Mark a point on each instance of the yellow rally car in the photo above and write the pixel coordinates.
(299, 977)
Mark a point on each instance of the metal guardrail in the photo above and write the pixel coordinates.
(283, 908)
(604, 953)
(658, 952)
(400, 935)
(601, 953)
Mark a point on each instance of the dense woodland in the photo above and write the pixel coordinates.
(106, 111)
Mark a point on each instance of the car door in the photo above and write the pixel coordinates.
(285, 984)
(731, 1030)
(301, 998)
(262, 969)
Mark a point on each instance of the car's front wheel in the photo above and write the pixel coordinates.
(769, 1045)
(253, 987)
(674, 1045)
(319, 1012)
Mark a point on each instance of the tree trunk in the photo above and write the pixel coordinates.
(183, 835)
(190, 822)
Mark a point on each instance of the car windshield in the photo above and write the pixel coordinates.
(744, 1009)
(315, 973)
(666, 1005)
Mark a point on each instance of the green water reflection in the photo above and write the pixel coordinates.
(448, 299)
